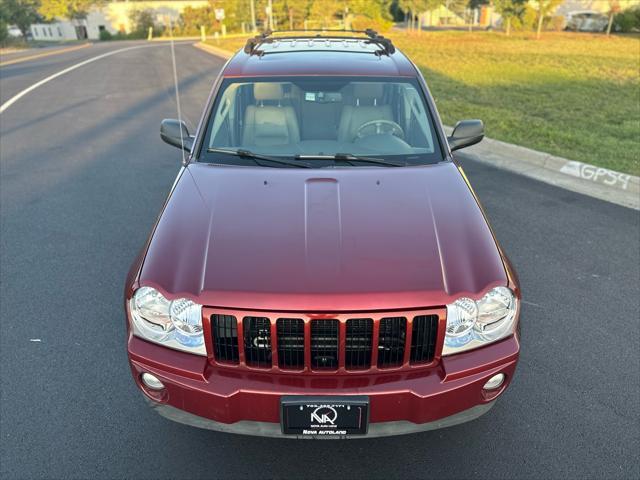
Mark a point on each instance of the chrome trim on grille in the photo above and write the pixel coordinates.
(351, 343)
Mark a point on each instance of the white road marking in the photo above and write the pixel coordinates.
(596, 174)
(38, 340)
(27, 90)
(532, 304)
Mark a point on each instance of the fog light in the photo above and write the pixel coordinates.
(494, 382)
(151, 381)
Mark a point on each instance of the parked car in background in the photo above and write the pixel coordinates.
(14, 31)
(586, 21)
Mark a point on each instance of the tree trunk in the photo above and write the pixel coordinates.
(540, 17)
(610, 23)
(24, 30)
(508, 26)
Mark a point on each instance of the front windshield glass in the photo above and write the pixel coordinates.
(312, 119)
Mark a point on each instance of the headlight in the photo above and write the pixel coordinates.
(472, 324)
(176, 324)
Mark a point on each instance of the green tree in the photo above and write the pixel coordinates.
(544, 8)
(362, 14)
(325, 12)
(417, 8)
(297, 11)
(236, 12)
(192, 19)
(69, 9)
(4, 31)
(142, 21)
(21, 13)
(628, 20)
(509, 9)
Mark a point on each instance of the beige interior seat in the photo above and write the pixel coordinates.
(368, 106)
(269, 122)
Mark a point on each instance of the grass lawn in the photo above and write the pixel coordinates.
(572, 95)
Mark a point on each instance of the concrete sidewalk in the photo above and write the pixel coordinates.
(616, 187)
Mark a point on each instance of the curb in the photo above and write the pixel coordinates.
(219, 52)
(602, 183)
(44, 54)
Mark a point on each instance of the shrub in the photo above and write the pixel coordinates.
(105, 35)
(627, 20)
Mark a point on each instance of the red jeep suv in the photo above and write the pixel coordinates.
(321, 267)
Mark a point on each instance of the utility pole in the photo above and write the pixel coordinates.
(253, 16)
(270, 15)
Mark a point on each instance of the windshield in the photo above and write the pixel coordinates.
(314, 119)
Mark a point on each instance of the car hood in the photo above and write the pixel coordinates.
(283, 239)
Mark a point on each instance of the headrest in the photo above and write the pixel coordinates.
(367, 91)
(267, 91)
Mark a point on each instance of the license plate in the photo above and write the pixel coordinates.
(324, 416)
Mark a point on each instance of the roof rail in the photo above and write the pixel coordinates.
(368, 36)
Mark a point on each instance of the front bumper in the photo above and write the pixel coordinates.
(231, 400)
(268, 429)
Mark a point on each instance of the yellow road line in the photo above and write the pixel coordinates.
(46, 54)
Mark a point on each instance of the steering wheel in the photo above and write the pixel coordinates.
(382, 127)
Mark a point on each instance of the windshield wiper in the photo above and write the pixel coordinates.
(352, 159)
(257, 158)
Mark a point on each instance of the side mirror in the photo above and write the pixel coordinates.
(466, 133)
(175, 133)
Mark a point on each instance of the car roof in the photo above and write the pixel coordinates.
(319, 56)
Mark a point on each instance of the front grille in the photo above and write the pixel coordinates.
(225, 338)
(393, 331)
(290, 343)
(423, 338)
(324, 345)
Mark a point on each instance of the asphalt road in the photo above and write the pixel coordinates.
(83, 176)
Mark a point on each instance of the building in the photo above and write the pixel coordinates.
(486, 16)
(113, 17)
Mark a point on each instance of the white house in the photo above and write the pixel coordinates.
(113, 17)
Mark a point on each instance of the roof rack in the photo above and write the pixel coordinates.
(369, 37)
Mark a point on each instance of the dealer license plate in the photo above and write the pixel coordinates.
(328, 416)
